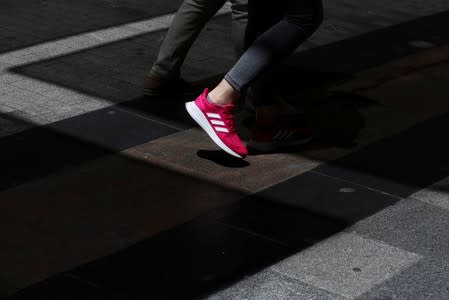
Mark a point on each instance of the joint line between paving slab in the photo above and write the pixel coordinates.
(253, 233)
(357, 184)
(145, 117)
(100, 37)
(93, 284)
(69, 45)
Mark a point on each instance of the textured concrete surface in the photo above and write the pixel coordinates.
(418, 227)
(437, 194)
(121, 20)
(60, 221)
(190, 152)
(347, 264)
(272, 285)
(55, 68)
(427, 279)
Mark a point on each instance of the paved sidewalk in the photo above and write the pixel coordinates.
(54, 67)
(107, 196)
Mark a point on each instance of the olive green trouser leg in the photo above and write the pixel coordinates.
(188, 22)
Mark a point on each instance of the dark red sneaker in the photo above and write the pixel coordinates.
(285, 134)
(218, 122)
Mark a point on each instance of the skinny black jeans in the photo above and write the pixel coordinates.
(275, 29)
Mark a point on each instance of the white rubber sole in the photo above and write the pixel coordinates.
(199, 117)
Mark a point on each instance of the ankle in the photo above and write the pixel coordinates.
(224, 94)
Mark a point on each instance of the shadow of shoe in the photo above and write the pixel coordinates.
(222, 158)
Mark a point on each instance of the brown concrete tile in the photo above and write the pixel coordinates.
(191, 152)
(66, 219)
(375, 104)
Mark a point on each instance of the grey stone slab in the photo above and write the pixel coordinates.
(437, 194)
(34, 85)
(327, 196)
(59, 116)
(9, 124)
(33, 119)
(12, 60)
(5, 109)
(47, 21)
(33, 110)
(113, 34)
(71, 109)
(390, 165)
(94, 105)
(428, 279)
(9, 78)
(6, 88)
(112, 128)
(412, 225)
(64, 287)
(20, 98)
(347, 264)
(68, 96)
(272, 285)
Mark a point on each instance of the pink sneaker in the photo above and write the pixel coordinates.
(218, 122)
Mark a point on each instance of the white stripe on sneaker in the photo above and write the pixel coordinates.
(212, 115)
(278, 134)
(215, 122)
(221, 129)
(287, 135)
(201, 119)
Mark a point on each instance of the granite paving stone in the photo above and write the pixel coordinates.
(67, 288)
(428, 279)
(73, 192)
(6, 88)
(412, 225)
(292, 226)
(29, 117)
(66, 18)
(112, 128)
(6, 109)
(12, 61)
(6, 78)
(95, 209)
(272, 285)
(436, 194)
(33, 85)
(185, 262)
(327, 196)
(342, 22)
(11, 125)
(192, 153)
(347, 264)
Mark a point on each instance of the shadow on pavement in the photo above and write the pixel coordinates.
(236, 240)
(23, 26)
(223, 159)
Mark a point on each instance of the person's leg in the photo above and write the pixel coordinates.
(185, 28)
(277, 124)
(239, 25)
(301, 19)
